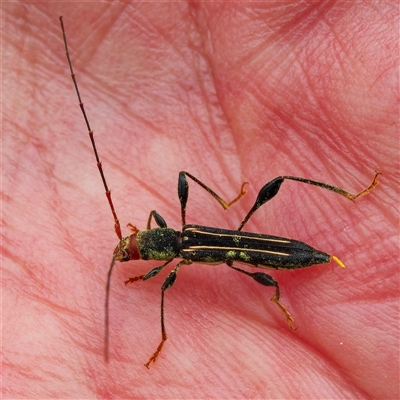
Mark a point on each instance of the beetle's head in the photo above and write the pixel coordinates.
(127, 249)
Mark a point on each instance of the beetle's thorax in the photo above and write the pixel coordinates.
(151, 244)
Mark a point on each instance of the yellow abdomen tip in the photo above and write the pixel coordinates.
(341, 265)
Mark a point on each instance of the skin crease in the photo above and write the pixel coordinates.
(230, 93)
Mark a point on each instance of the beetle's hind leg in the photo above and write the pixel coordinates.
(270, 190)
(286, 313)
(268, 280)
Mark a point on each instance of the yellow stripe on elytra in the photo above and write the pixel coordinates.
(240, 236)
(193, 248)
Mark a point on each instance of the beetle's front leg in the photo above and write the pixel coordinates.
(151, 274)
(171, 278)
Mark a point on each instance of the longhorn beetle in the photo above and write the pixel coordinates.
(207, 245)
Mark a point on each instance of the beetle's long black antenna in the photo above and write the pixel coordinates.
(117, 226)
(106, 318)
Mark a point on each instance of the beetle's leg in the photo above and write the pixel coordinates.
(158, 218)
(269, 190)
(151, 274)
(132, 228)
(183, 192)
(171, 278)
(268, 280)
(153, 214)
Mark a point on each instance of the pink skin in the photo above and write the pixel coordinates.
(230, 93)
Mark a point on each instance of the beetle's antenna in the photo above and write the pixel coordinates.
(106, 318)
(117, 226)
